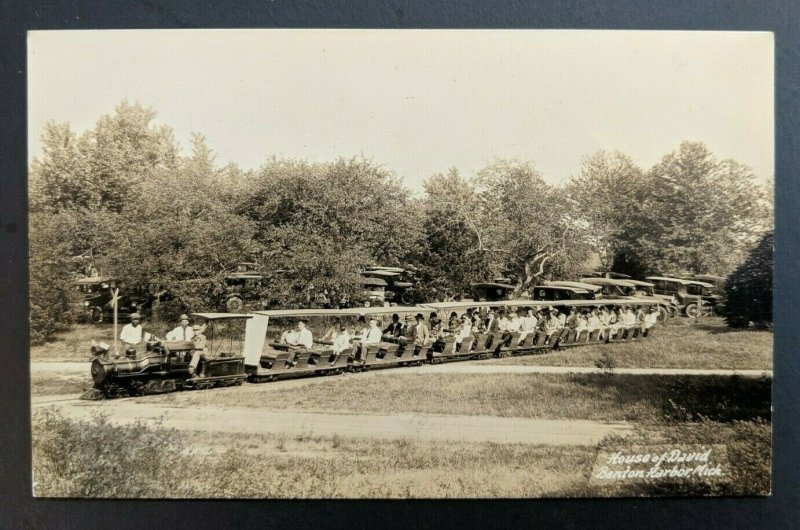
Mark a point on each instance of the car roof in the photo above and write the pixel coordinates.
(698, 282)
(669, 279)
(543, 303)
(341, 312)
(609, 281)
(373, 282)
(576, 285)
(384, 269)
(492, 284)
(222, 316)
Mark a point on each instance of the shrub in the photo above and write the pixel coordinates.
(95, 458)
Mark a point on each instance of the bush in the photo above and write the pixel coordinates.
(748, 291)
(94, 458)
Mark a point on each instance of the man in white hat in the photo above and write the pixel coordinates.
(183, 331)
(201, 351)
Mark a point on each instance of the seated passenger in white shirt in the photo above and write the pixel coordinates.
(182, 332)
(304, 337)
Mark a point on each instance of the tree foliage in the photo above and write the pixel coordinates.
(748, 290)
(160, 220)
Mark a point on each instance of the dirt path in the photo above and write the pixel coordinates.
(427, 427)
(468, 367)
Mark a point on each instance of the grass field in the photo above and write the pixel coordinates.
(638, 398)
(97, 459)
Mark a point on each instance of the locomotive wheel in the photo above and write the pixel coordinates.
(692, 311)
(152, 387)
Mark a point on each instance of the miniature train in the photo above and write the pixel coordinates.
(230, 359)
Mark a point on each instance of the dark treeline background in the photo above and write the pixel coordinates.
(161, 219)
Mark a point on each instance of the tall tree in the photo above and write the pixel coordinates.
(698, 214)
(605, 195)
(530, 226)
(451, 256)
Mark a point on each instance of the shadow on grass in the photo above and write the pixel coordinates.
(689, 398)
(716, 328)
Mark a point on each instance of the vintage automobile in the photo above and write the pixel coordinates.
(688, 294)
(96, 293)
(491, 291)
(164, 365)
(613, 288)
(555, 291)
(400, 283)
(242, 288)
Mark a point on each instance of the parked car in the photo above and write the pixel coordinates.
(561, 292)
(491, 291)
(400, 283)
(688, 293)
(96, 294)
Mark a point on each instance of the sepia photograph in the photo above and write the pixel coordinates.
(400, 264)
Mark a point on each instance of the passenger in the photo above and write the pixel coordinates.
(650, 320)
(183, 331)
(552, 325)
(422, 334)
(562, 318)
(514, 322)
(133, 335)
(454, 322)
(435, 324)
(593, 324)
(491, 321)
(200, 350)
(290, 336)
(305, 338)
(395, 329)
(341, 342)
(464, 331)
(582, 327)
(334, 330)
(630, 317)
(409, 331)
(371, 338)
(571, 322)
(528, 325)
(502, 321)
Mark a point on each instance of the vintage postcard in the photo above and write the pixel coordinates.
(400, 263)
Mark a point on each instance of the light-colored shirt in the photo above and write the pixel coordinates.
(514, 324)
(650, 320)
(373, 336)
(629, 319)
(181, 333)
(529, 323)
(341, 342)
(133, 334)
(305, 338)
(290, 337)
(594, 322)
(502, 324)
(422, 333)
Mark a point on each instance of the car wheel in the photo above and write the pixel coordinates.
(97, 315)
(407, 297)
(663, 314)
(234, 304)
(692, 311)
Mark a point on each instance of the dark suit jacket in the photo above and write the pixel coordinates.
(395, 329)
